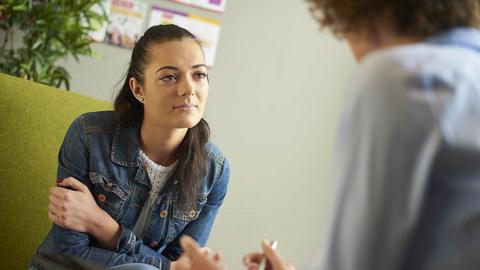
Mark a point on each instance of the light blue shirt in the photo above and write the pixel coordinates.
(409, 160)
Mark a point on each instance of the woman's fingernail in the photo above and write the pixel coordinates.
(59, 181)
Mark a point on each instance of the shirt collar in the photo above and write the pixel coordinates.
(126, 143)
(466, 37)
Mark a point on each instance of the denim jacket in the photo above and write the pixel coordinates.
(104, 155)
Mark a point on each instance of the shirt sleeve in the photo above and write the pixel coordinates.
(386, 144)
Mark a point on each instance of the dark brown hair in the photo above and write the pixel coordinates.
(417, 18)
(191, 153)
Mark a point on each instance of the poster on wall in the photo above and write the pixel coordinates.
(205, 29)
(212, 5)
(126, 21)
(98, 35)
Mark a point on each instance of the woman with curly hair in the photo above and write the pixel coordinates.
(408, 145)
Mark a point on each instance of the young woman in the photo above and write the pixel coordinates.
(408, 146)
(133, 180)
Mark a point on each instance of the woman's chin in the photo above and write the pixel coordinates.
(187, 123)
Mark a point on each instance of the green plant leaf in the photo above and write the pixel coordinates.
(51, 30)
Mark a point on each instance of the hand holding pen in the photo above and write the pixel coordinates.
(254, 261)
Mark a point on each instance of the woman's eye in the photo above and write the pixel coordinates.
(168, 78)
(200, 75)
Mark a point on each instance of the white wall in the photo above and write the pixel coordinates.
(275, 96)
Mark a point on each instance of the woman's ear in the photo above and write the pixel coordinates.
(136, 89)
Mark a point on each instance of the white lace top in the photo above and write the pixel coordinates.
(158, 176)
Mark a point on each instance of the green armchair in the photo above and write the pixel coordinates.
(33, 121)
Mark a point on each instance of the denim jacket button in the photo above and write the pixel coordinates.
(163, 213)
(192, 213)
(101, 198)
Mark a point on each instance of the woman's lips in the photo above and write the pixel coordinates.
(185, 107)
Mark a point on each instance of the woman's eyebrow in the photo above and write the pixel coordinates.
(166, 67)
(175, 68)
(199, 65)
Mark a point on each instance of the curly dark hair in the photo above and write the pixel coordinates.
(419, 18)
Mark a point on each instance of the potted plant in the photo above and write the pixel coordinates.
(38, 33)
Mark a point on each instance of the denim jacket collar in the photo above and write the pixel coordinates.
(459, 36)
(125, 147)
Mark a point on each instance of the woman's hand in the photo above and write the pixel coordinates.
(72, 209)
(274, 260)
(196, 258)
(75, 209)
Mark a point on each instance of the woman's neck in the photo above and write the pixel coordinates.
(160, 143)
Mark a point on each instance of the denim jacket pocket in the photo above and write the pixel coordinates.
(190, 213)
(110, 196)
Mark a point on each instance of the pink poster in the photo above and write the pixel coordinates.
(212, 5)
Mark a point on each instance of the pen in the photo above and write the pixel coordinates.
(274, 245)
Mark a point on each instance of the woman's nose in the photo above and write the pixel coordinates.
(186, 88)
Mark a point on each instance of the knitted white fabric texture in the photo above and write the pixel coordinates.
(157, 174)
